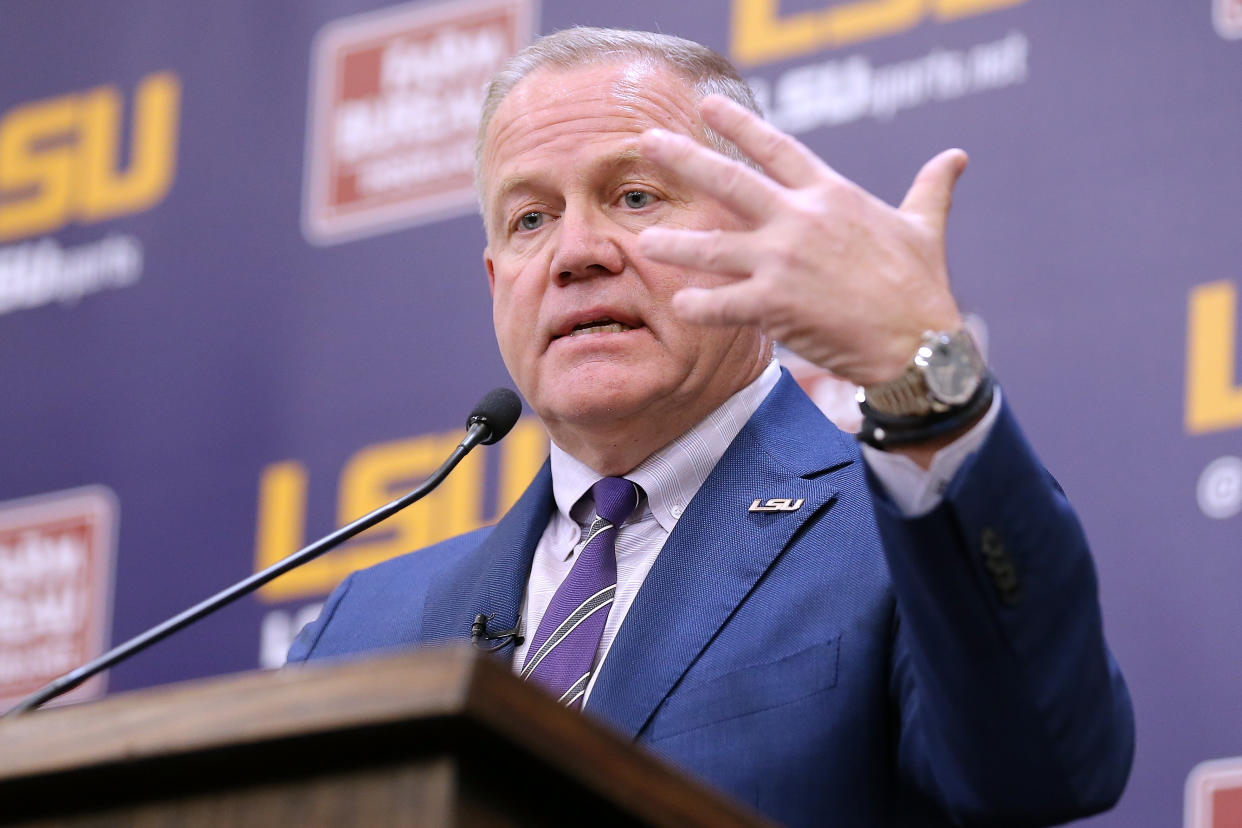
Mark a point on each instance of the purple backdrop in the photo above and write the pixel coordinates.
(186, 322)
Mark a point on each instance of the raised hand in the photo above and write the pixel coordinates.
(826, 268)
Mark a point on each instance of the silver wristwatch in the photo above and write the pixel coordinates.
(943, 376)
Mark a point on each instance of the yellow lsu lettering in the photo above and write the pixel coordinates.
(1213, 401)
(59, 157)
(760, 34)
(372, 477)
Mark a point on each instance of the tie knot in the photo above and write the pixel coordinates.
(615, 499)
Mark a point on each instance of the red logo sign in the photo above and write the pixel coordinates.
(395, 99)
(1228, 18)
(1214, 794)
(56, 554)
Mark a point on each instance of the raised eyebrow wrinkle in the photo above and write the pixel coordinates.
(509, 185)
(627, 156)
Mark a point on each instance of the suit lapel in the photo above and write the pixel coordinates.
(491, 579)
(718, 552)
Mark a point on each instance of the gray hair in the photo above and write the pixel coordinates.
(707, 71)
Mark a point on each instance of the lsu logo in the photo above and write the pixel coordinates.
(375, 475)
(59, 157)
(1213, 400)
(776, 504)
(761, 34)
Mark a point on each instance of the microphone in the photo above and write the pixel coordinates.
(478, 631)
(491, 419)
(497, 411)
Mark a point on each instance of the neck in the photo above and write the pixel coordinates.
(614, 447)
(614, 450)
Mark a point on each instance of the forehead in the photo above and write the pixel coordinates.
(556, 114)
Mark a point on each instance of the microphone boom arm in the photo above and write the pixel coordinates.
(480, 431)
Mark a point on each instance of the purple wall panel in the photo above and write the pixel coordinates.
(1103, 190)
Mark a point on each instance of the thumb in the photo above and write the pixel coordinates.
(931, 194)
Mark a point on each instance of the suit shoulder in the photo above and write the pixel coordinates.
(381, 607)
(422, 563)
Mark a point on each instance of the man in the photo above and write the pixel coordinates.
(825, 637)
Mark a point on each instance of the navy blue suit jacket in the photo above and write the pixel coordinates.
(836, 665)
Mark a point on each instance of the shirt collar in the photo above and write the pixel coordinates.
(672, 476)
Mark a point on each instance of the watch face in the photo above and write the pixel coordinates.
(952, 369)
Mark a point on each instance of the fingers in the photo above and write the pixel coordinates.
(741, 188)
(716, 251)
(931, 194)
(728, 305)
(781, 156)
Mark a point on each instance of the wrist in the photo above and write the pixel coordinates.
(944, 389)
(924, 434)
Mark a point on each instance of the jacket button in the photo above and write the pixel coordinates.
(999, 564)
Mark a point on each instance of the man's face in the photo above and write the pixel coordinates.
(584, 322)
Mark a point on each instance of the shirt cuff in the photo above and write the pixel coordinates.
(915, 490)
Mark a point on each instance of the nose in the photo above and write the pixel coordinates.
(586, 245)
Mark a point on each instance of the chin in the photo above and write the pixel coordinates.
(592, 409)
(606, 404)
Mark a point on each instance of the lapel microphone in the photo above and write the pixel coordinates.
(491, 419)
(503, 638)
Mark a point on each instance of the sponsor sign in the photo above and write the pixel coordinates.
(1214, 794)
(1227, 15)
(395, 99)
(56, 564)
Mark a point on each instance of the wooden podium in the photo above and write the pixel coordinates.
(430, 738)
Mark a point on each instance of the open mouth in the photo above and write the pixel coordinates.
(598, 326)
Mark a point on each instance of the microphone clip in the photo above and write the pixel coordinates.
(503, 638)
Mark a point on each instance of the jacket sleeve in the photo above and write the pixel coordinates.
(1011, 709)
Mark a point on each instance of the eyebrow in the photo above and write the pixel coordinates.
(626, 157)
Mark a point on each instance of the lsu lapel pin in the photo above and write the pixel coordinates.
(776, 504)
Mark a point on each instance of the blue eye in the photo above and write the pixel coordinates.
(530, 221)
(636, 199)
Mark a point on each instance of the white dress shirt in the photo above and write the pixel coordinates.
(670, 478)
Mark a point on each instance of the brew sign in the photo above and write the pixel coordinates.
(56, 562)
(394, 109)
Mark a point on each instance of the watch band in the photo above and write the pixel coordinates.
(894, 431)
(944, 387)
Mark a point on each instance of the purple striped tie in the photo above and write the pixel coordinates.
(562, 654)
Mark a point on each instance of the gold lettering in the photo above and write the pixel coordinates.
(282, 527)
(953, 9)
(1213, 401)
(107, 192)
(37, 164)
(863, 21)
(374, 476)
(760, 34)
(377, 474)
(59, 158)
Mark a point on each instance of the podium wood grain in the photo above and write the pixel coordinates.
(441, 737)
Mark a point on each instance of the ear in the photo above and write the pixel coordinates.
(491, 271)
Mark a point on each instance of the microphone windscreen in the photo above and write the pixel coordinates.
(499, 409)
